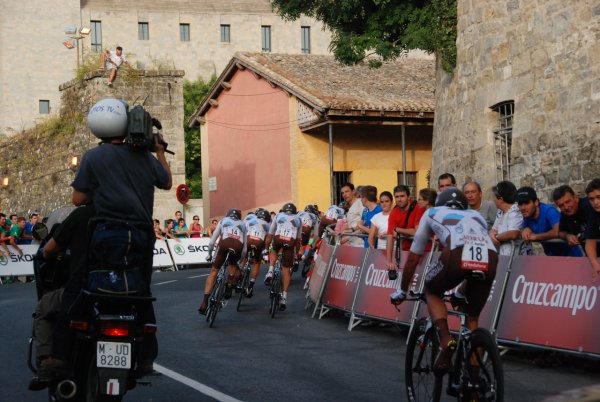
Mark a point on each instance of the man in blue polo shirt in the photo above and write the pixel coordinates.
(541, 222)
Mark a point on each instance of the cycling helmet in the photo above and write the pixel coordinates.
(234, 213)
(453, 198)
(289, 208)
(264, 215)
(258, 210)
(108, 118)
(311, 208)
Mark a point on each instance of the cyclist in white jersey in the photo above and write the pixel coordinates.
(310, 223)
(468, 253)
(231, 233)
(331, 216)
(257, 228)
(286, 229)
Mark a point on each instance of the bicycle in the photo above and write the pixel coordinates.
(475, 372)
(275, 287)
(245, 280)
(216, 300)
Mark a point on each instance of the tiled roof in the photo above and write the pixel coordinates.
(405, 84)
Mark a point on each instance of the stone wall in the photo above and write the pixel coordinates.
(545, 56)
(36, 162)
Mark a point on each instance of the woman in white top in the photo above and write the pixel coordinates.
(379, 222)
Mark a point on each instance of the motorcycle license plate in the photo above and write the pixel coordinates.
(113, 355)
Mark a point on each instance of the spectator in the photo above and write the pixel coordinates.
(181, 230)
(170, 229)
(379, 222)
(592, 231)
(472, 191)
(27, 236)
(12, 220)
(158, 233)
(446, 180)
(368, 198)
(574, 213)
(178, 216)
(402, 221)
(111, 61)
(195, 228)
(355, 210)
(16, 232)
(541, 223)
(426, 198)
(509, 220)
(4, 236)
(213, 226)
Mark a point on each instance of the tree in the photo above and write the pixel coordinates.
(193, 93)
(382, 28)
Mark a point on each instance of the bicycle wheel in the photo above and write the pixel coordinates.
(219, 289)
(275, 292)
(244, 285)
(422, 385)
(482, 375)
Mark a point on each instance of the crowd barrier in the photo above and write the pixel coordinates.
(168, 254)
(535, 301)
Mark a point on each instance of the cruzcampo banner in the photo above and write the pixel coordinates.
(319, 271)
(343, 278)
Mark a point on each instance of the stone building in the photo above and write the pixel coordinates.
(523, 102)
(278, 128)
(39, 162)
(197, 36)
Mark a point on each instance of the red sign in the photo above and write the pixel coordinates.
(182, 193)
(319, 271)
(552, 301)
(343, 277)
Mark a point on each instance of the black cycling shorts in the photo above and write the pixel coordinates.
(446, 274)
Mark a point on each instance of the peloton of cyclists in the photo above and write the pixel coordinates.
(231, 233)
(286, 229)
(468, 253)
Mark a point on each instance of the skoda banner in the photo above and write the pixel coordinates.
(189, 251)
(162, 257)
(15, 264)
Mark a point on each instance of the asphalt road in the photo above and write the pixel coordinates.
(248, 356)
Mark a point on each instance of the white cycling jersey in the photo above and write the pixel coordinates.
(335, 212)
(287, 227)
(256, 228)
(229, 228)
(309, 220)
(453, 227)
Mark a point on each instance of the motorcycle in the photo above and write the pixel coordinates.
(108, 334)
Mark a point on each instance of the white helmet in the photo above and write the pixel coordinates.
(108, 118)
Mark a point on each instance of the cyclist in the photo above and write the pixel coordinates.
(286, 228)
(330, 217)
(257, 228)
(231, 233)
(468, 253)
(310, 225)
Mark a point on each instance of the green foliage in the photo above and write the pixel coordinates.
(383, 28)
(193, 93)
(90, 63)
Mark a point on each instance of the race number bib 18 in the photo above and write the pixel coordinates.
(475, 253)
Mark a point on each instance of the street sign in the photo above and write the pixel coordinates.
(183, 194)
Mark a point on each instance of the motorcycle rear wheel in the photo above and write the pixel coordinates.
(92, 392)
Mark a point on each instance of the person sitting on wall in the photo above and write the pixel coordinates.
(111, 61)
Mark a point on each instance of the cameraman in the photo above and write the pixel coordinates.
(119, 180)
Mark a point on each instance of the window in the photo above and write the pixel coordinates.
(266, 38)
(96, 36)
(184, 32)
(339, 179)
(44, 106)
(143, 32)
(503, 138)
(411, 182)
(305, 40)
(225, 33)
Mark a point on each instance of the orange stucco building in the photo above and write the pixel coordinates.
(277, 128)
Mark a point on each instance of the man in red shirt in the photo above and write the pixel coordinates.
(405, 216)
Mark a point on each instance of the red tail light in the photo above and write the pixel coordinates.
(114, 329)
(150, 328)
(79, 325)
